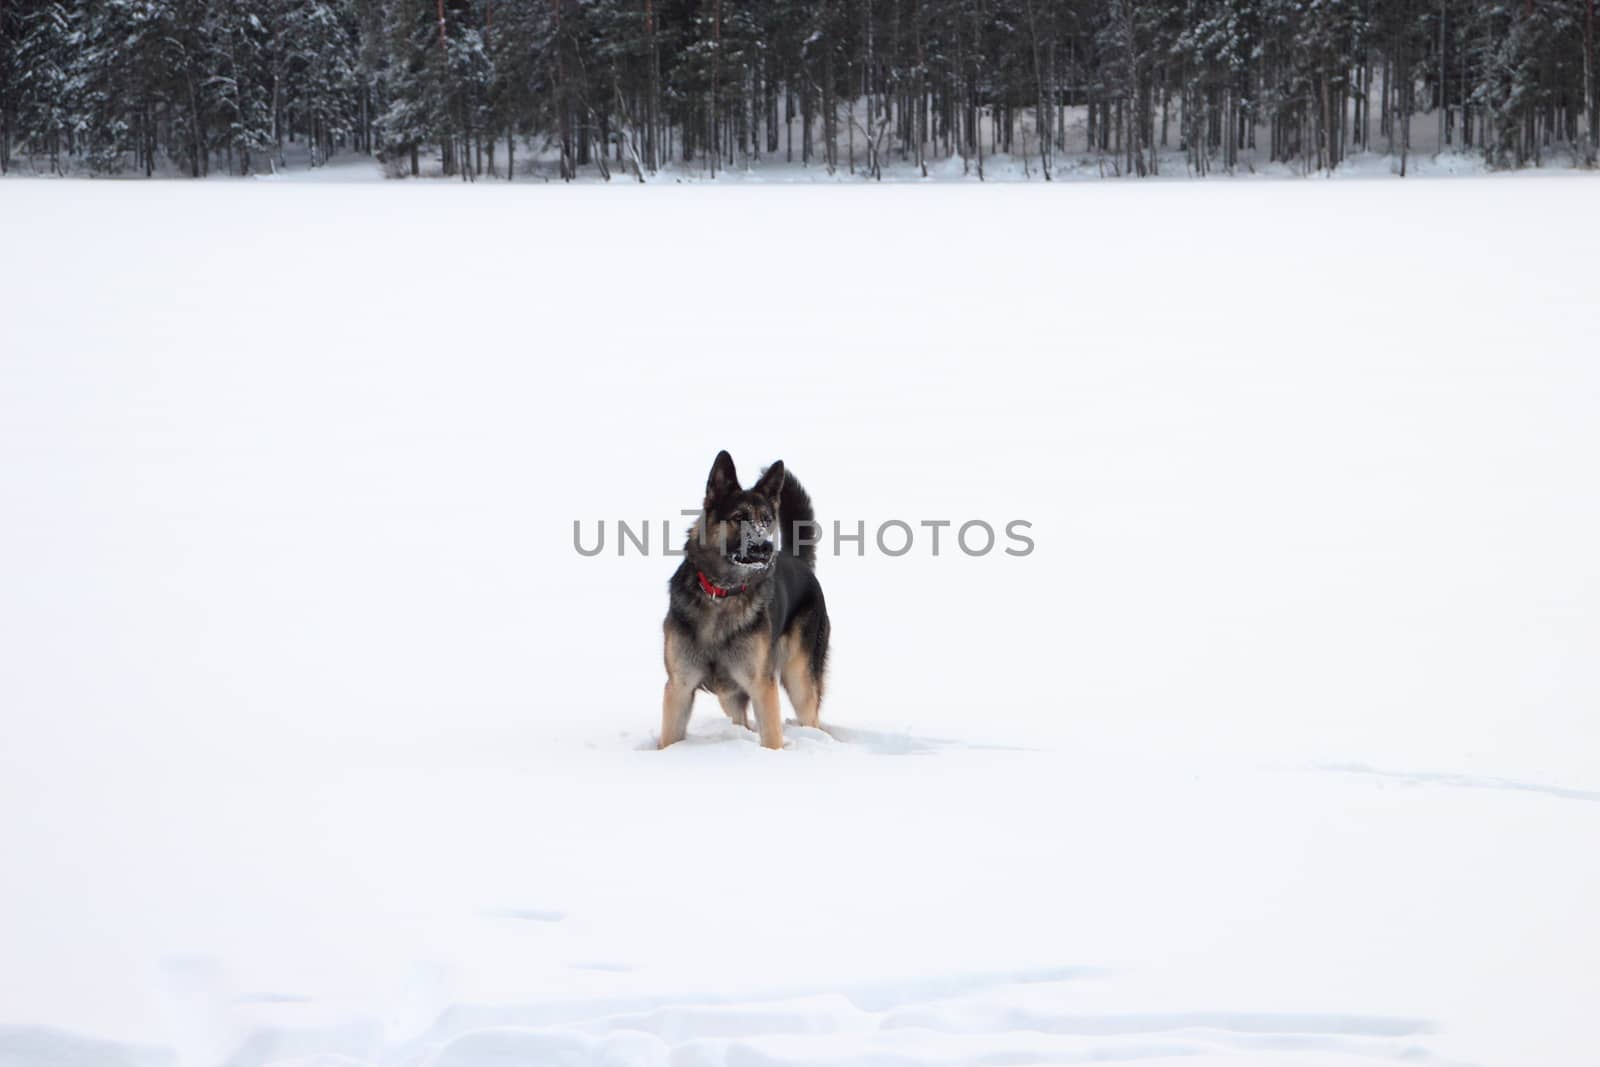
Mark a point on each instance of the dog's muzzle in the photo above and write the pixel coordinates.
(755, 547)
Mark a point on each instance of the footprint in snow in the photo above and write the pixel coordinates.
(532, 915)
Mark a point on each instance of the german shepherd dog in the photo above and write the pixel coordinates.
(740, 615)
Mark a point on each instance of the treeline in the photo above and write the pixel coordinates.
(629, 85)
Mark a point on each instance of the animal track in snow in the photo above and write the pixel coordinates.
(1464, 781)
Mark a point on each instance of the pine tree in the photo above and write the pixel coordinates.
(44, 76)
(239, 86)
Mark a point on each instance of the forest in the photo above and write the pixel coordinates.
(478, 88)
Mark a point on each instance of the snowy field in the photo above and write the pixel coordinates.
(323, 746)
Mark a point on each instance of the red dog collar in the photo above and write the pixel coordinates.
(713, 590)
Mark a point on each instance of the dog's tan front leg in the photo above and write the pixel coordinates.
(769, 715)
(676, 703)
(683, 677)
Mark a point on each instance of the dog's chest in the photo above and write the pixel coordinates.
(723, 629)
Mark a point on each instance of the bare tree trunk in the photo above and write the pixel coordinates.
(1405, 113)
(569, 167)
(1042, 108)
(830, 106)
(920, 118)
(871, 92)
(977, 77)
(653, 109)
(714, 148)
(1591, 99)
(1327, 145)
(850, 129)
(194, 125)
(1444, 105)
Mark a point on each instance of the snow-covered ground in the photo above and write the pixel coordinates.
(538, 161)
(322, 745)
(1004, 168)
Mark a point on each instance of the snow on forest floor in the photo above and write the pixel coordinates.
(1004, 168)
(324, 747)
(545, 168)
(1077, 161)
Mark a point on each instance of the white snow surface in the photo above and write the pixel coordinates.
(323, 746)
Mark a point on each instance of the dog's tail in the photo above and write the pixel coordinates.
(798, 522)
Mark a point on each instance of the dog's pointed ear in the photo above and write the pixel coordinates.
(771, 483)
(723, 479)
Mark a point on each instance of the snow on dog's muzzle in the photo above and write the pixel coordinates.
(755, 546)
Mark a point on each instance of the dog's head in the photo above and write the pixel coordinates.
(737, 525)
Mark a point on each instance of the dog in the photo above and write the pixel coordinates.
(743, 616)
